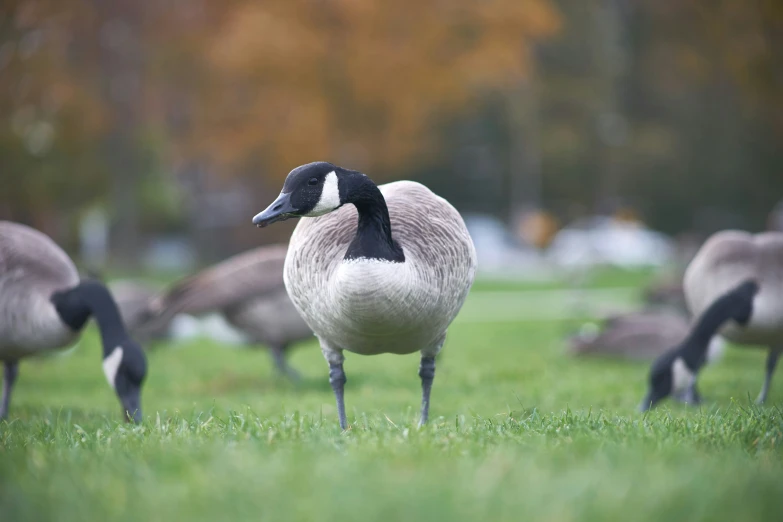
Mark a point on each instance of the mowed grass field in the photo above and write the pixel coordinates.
(519, 431)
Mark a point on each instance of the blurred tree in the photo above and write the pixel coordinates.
(360, 83)
(49, 116)
(671, 106)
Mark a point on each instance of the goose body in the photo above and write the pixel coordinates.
(379, 269)
(372, 306)
(247, 291)
(32, 268)
(44, 307)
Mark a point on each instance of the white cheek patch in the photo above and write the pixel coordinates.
(111, 363)
(330, 197)
(682, 377)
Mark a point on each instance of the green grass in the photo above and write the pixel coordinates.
(519, 432)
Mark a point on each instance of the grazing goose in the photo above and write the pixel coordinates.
(726, 260)
(247, 290)
(636, 336)
(386, 274)
(674, 373)
(44, 306)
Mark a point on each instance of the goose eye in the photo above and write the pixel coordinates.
(313, 181)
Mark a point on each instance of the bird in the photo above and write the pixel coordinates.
(374, 269)
(730, 258)
(640, 335)
(44, 306)
(247, 291)
(674, 373)
(726, 259)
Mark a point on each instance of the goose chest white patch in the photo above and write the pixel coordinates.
(111, 363)
(682, 376)
(330, 197)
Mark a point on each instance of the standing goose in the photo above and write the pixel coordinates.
(386, 274)
(44, 306)
(247, 290)
(736, 274)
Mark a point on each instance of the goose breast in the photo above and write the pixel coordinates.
(371, 306)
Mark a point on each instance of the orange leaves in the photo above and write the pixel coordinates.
(353, 81)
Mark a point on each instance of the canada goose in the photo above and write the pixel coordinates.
(675, 371)
(247, 291)
(44, 306)
(725, 260)
(386, 274)
(636, 336)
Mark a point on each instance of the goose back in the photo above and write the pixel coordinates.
(32, 268)
(236, 280)
(373, 306)
(724, 261)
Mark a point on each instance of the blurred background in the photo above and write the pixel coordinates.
(144, 135)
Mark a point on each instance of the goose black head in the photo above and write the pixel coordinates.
(124, 362)
(674, 373)
(310, 190)
(125, 368)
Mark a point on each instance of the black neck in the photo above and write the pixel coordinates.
(92, 298)
(373, 238)
(694, 348)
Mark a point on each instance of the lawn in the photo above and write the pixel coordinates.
(519, 431)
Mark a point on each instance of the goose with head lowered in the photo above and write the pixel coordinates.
(377, 269)
(734, 285)
(44, 306)
(674, 373)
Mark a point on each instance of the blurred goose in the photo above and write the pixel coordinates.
(44, 307)
(382, 270)
(674, 373)
(636, 336)
(247, 290)
(734, 285)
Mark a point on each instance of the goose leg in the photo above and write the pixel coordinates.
(772, 362)
(337, 378)
(283, 368)
(10, 374)
(427, 374)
